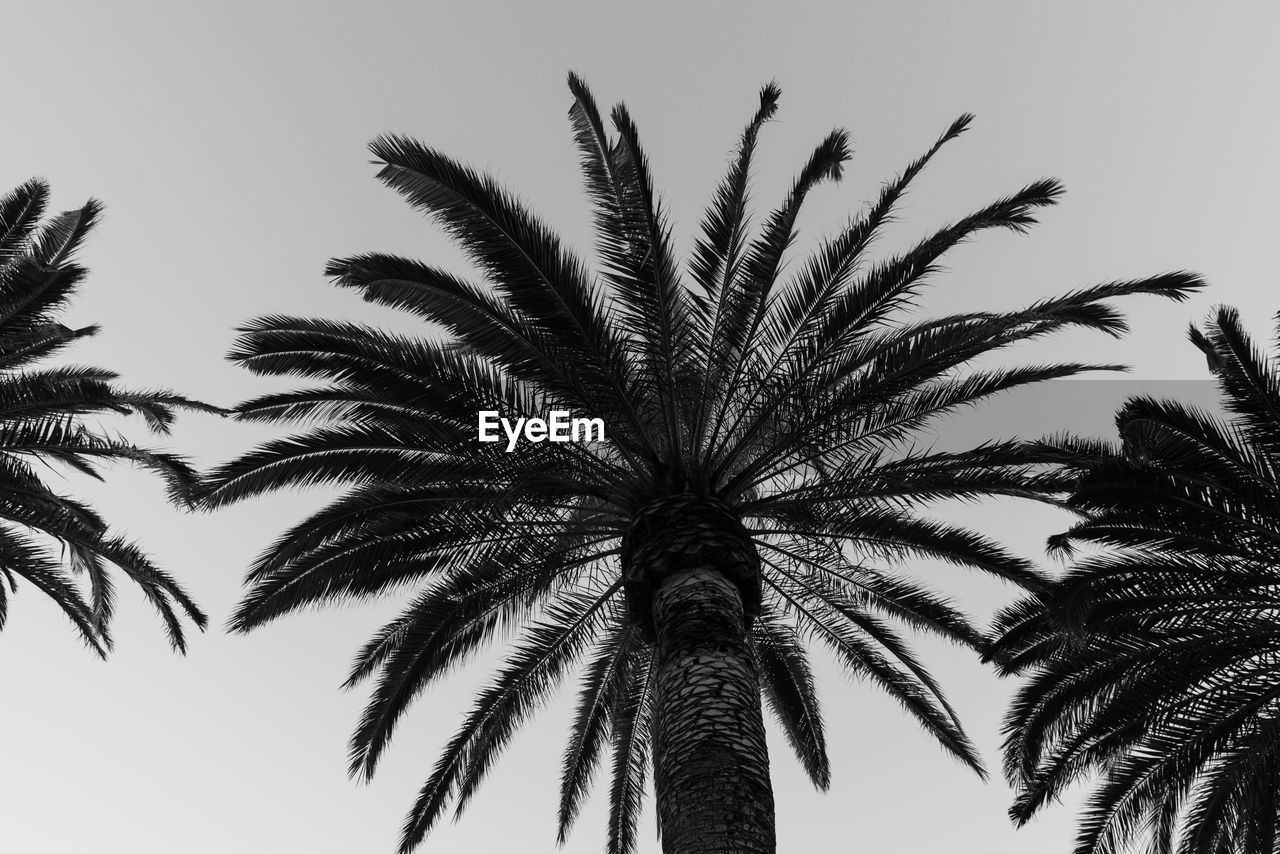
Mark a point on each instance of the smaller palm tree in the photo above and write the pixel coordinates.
(1155, 662)
(52, 541)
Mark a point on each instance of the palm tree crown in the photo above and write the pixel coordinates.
(1153, 661)
(49, 538)
(756, 421)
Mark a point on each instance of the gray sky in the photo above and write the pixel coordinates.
(228, 143)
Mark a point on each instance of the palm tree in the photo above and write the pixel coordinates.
(1153, 662)
(47, 539)
(756, 462)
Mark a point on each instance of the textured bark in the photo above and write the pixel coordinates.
(680, 532)
(711, 764)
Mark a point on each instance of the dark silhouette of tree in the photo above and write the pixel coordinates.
(757, 462)
(1153, 662)
(46, 538)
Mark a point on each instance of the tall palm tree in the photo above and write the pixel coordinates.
(757, 462)
(46, 538)
(1153, 662)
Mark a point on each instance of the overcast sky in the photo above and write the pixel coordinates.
(228, 142)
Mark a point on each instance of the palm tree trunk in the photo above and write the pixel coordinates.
(693, 583)
(711, 765)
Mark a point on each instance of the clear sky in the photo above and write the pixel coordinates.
(227, 141)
